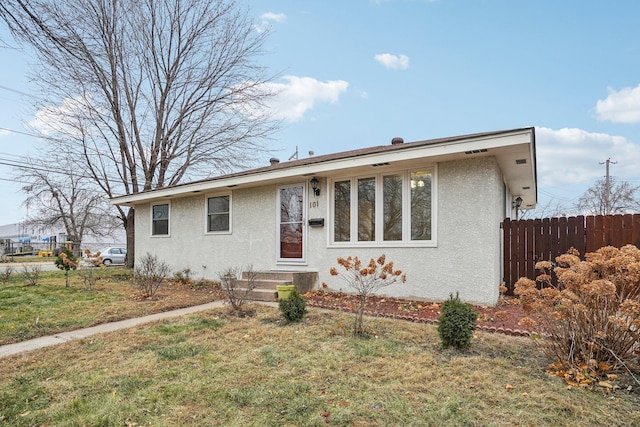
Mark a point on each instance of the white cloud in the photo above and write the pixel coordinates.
(4, 132)
(571, 156)
(297, 95)
(58, 118)
(268, 19)
(395, 62)
(621, 106)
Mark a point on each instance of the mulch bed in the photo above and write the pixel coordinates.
(504, 317)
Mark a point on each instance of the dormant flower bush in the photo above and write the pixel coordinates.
(92, 261)
(66, 261)
(591, 319)
(366, 280)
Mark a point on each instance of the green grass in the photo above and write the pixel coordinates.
(50, 307)
(211, 369)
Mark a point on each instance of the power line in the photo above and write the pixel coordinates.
(33, 135)
(15, 91)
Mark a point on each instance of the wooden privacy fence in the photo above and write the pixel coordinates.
(529, 241)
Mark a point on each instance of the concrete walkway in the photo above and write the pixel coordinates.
(33, 344)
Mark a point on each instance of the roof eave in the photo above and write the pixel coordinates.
(435, 150)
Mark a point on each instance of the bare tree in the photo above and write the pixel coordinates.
(60, 196)
(551, 209)
(607, 198)
(147, 93)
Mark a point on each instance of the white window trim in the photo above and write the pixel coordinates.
(406, 210)
(206, 213)
(168, 203)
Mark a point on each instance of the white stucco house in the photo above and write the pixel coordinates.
(434, 207)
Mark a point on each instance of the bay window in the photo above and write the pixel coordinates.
(403, 201)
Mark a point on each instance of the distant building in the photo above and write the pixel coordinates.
(19, 237)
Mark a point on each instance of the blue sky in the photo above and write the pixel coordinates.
(357, 73)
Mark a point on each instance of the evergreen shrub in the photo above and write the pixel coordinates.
(457, 323)
(293, 308)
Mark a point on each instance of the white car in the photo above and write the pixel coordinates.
(112, 255)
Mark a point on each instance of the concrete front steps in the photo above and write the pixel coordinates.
(266, 283)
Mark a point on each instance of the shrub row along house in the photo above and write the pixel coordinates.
(433, 207)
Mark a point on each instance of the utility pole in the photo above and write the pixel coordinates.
(607, 189)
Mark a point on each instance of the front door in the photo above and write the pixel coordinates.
(291, 226)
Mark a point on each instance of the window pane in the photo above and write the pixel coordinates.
(291, 240)
(291, 204)
(342, 214)
(219, 204)
(218, 222)
(218, 213)
(421, 206)
(161, 212)
(367, 209)
(160, 226)
(392, 207)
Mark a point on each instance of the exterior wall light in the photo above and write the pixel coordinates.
(517, 202)
(314, 186)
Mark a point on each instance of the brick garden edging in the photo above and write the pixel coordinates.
(418, 319)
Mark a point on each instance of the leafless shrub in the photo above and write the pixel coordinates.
(31, 274)
(5, 274)
(237, 284)
(149, 273)
(92, 262)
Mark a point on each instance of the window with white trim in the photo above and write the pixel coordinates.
(219, 214)
(160, 220)
(384, 209)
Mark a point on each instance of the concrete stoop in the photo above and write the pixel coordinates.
(266, 283)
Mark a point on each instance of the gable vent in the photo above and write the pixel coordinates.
(521, 161)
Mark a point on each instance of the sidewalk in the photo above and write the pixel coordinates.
(46, 341)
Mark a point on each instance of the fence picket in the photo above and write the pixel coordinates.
(526, 242)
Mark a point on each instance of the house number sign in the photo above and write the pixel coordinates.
(314, 204)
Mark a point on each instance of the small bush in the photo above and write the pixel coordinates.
(293, 308)
(66, 261)
(183, 276)
(149, 273)
(237, 284)
(457, 323)
(89, 277)
(366, 280)
(31, 274)
(5, 275)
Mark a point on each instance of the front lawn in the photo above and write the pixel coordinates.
(210, 369)
(50, 307)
